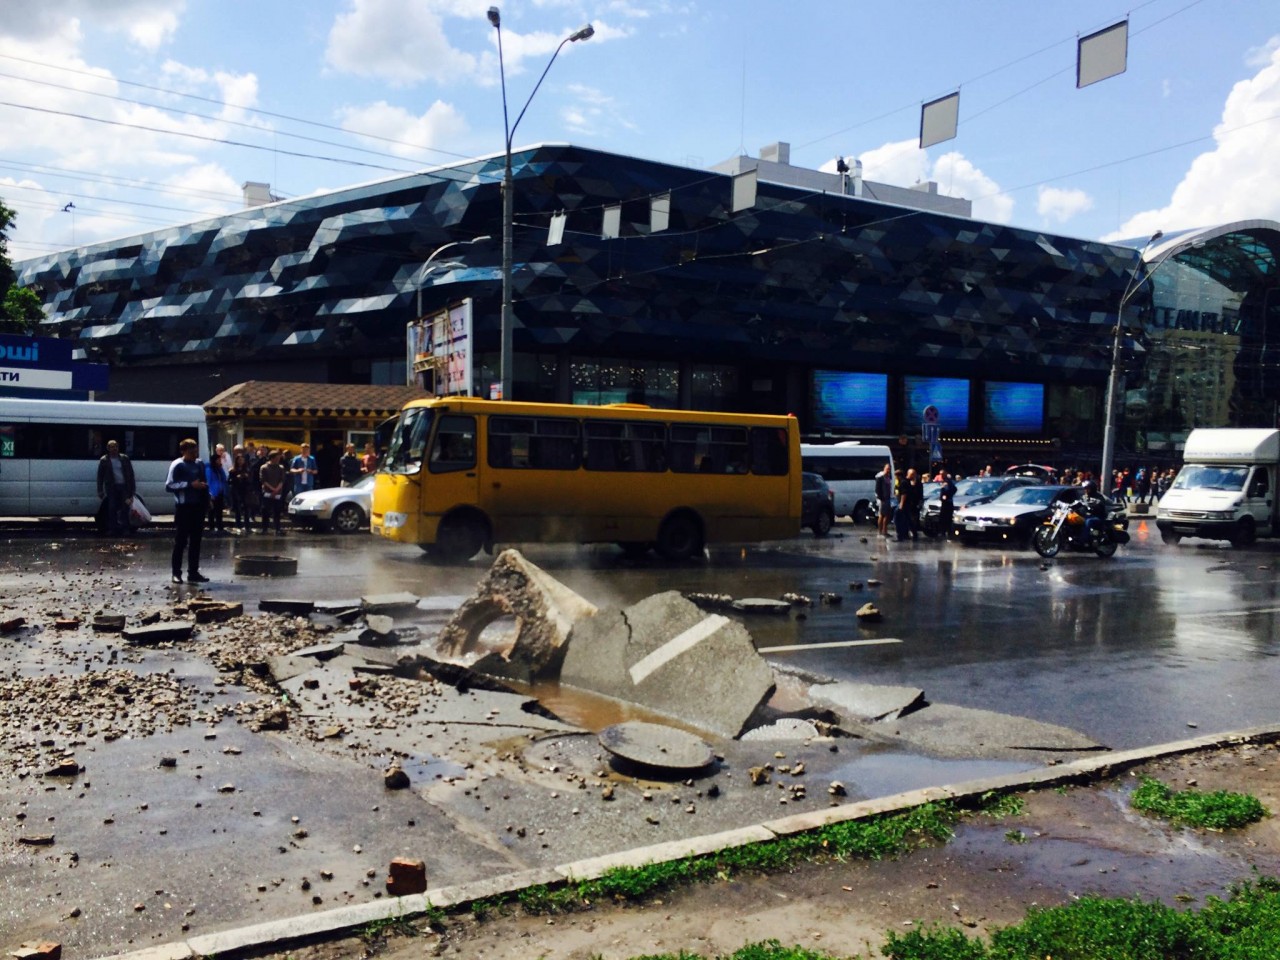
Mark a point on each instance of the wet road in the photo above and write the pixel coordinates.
(1130, 650)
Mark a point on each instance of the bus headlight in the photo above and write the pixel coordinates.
(393, 521)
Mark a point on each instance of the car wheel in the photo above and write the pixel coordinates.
(458, 539)
(348, 518)
(822, 523)
(864, 512)
(680, 537)
(1245, 533)
(1170, 537)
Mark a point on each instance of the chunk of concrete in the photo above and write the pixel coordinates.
(165, 632)
(378, 629)
(762, 605)
(321, 651)
(388, 602)
(543, 609)
(297, 608)
(866, 701)
(108, 622)
(674, 659)
(216, 611)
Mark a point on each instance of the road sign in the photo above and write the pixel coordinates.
(929, 432)
(932, 414)
(935, 451)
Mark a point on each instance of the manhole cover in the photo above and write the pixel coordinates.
(263, 565)
(653, 745)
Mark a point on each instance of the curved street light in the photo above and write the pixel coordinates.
(426, 264)
(1113, 381)
(505, 361)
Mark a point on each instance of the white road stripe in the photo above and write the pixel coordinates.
(827, 646)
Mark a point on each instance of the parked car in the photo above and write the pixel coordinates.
(1012, 515)
(817, 504)
(1039, 471)
(971, 490)
(342, 509)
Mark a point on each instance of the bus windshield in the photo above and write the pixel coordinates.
(408, 442)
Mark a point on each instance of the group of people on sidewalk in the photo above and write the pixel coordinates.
(251, 482)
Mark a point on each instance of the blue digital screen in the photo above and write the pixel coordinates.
(1014, 407)
(950, 396)
(850, 401)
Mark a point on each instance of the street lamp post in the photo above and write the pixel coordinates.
(425, 269)
(505, 362)
(1113, 381)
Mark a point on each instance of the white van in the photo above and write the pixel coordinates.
(49, 451)
(850, 469)
(1226, 489)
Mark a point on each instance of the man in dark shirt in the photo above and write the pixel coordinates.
(116, 486)
(349, 467)
(186, 481)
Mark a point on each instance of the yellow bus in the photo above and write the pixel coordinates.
(462, 473)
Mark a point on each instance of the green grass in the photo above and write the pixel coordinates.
(1244, 926)
(1219, 810)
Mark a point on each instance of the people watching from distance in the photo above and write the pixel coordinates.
(186, 481)
(350, 469)
(273, 476)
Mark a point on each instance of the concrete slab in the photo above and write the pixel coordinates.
(762, 605)
(285, 668)
(389, 602)
(950, 731)
(332, 608)
(672, 658)
(167, 631)
(164, 951)
(543, 609)
(865, 701)
(321, 651)
(297, 608)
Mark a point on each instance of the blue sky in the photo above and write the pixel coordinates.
(1189, 135)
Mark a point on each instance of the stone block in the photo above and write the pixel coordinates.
(12, 624)
(378, 629)
(406, 876)
(38, 950)
(217, 611)
(672, 658)
(164, 632)
(297, 608)
(108, 622)
(544, 612)
(388, 602)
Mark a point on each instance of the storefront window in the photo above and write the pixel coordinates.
(596, 382)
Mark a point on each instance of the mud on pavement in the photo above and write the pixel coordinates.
(175, 763)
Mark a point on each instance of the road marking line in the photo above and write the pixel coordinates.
(677, 645)
(827, 646)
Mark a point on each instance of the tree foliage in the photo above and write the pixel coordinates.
(20, 308)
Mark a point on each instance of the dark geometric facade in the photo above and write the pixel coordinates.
(714, 309)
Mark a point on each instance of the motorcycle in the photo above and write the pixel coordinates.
(1066, 528)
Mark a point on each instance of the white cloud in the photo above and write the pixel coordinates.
(1059, 206)
(148, 23)
(1235, 180)
(592, 112)
(401, 41)
(441, 127)
(904, 164)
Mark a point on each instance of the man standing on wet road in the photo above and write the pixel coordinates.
(186, 481)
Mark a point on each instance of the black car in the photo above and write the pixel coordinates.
(817, 504)
(1013, 515)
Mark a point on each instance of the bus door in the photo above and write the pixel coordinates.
(450, 478)
(15, 473)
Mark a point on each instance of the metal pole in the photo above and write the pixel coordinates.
(505, 360)
(1113, 381)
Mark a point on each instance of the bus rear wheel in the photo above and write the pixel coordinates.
(680, 537)
(458, 539)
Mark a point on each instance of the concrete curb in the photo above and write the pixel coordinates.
(281, 934)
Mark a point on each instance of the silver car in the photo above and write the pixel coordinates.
(342, 509)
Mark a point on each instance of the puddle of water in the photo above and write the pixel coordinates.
(589, 711)
(881, 773)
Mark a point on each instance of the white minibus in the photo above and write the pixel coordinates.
(49, 451)
(850, 469)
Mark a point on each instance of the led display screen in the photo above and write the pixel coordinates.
(850, 401)
(1014, 407)
(950, 396)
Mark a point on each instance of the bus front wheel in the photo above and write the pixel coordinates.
(680, 537)
(458, 539)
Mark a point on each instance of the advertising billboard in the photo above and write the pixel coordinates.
(850, 401)
(1013, 407)
(949, 395)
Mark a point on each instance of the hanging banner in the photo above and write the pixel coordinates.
(438, 351)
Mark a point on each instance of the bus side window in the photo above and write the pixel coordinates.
(769, 451)
(454, 447)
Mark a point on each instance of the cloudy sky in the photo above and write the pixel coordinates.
(122, 116)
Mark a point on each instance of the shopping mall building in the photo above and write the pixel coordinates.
(756, 285)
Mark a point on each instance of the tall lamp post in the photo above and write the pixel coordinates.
(505, 362)
(1113, 382)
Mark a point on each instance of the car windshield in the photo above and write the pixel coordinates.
(409, 441)
(1040, 496)
(1195, 476)
(978, 487)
